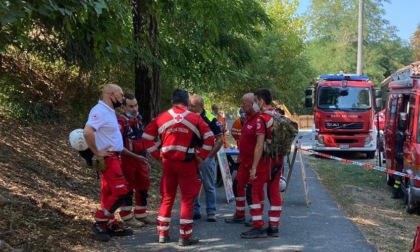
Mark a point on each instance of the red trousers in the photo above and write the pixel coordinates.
(114, 189)
(240, 184)
(184, 174)
(137, 175)
(256, 188)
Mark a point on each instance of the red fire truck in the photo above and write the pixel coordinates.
(402, 130)
(343, 107)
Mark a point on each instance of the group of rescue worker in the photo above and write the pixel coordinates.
(185, 139)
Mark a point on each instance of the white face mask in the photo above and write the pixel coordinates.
(256, 107)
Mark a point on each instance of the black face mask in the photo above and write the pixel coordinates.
(116, 104)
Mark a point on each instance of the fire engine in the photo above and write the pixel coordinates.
(343, 107)
(402, 114)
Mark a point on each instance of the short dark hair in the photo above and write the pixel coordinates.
(129, 97)
(265, 95)
(180, 96)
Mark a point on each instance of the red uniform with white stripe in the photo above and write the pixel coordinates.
(176, 128)
(135, 172)
(264, 175)
(248, 142)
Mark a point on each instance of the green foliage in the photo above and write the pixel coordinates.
(415, 43)
(333, 43)
(205, 43)
(278, 60)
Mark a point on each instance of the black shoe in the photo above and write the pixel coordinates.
(272, 231)
(397, 193)
(211, 218)
(187, 241)
(197, 216)
(248, 223)
(235, 219)
(164, 238)
(254, 233)
(101, 232)
(119, 230)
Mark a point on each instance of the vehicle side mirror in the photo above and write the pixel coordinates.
(378, 104)
(308, 91)
(378, 92)
(308, 102)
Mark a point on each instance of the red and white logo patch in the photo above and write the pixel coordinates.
(178, 118)
(258, 125)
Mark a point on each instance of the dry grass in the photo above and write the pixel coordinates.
(365, 198)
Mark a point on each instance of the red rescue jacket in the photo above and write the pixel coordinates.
(183, 135)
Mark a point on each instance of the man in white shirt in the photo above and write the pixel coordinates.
(103, 136)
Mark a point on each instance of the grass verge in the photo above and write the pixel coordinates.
(364, 196)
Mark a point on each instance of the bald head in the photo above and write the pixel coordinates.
(196, 104)
(112, 95)
(246, 105)
(111, 88)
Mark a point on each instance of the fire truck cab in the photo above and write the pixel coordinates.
(402, 114)
(343, 108)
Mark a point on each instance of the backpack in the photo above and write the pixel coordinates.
(283, 132)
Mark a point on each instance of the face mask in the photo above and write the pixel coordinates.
(256, 107)
(131, 115)
(116, 104)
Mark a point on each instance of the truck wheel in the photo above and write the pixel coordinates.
(411, 206)
(370, 154)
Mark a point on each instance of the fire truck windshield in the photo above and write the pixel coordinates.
(344, 98)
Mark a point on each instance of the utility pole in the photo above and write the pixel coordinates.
(360, 39)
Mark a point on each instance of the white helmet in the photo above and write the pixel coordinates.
(77, 140)
(282, 184)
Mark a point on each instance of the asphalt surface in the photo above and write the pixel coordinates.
(319, 227)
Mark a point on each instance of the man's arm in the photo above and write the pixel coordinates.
(128, 153)
(216, 147)
(257, 155)
(89, 134)
(149, 135)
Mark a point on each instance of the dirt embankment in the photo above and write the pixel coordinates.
(49, 192)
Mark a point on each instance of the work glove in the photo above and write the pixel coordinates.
(98, 163)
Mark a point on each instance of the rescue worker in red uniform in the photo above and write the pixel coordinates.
(186, 140)
(135, 171)
(264, 170)
(248, 142)
(103, 138)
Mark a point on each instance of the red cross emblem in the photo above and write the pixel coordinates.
(178, 118)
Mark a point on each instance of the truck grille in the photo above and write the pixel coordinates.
(341, 125)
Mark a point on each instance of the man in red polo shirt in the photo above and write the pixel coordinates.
(264, 170)
(248, 144)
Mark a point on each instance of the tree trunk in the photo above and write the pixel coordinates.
(1, 55)
(147, 78)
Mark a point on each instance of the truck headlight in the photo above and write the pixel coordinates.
(368, 139)
(320, 139)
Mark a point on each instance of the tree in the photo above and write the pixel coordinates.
(278, 61)
(333, 43)
(415, 43)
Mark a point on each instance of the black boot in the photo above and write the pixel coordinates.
(397, 193)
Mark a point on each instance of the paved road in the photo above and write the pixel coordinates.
(319, 227)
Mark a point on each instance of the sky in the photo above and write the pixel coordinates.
(404, 14)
